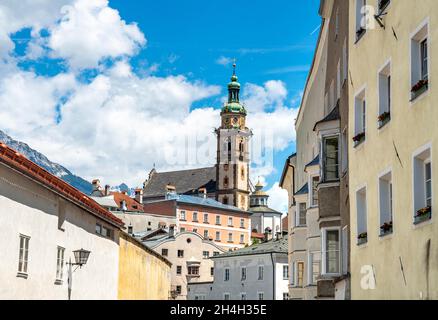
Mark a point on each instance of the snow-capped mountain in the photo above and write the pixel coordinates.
(43, 161)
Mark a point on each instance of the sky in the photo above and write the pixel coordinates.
(110, 89)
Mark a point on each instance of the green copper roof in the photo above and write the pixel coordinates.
(234, 105)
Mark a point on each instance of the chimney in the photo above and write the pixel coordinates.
(202, 192)
(107, 189)
(123, 206)
(130, 229)
(170, 190)
(139, 195)
(96, 184)
(172, 230)
(268, 234)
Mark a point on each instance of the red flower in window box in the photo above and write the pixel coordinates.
(384, 116)
(359, 137)
(424, 211)
(420, 85)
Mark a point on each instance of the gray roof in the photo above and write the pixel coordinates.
(332, 116)
(314, 162)
(185, 181)
(263, 209)
(273, 246)
(201, 201)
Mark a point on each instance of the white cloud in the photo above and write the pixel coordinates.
(91, 31)
(278, 198)
(121, 123)
(224, 61)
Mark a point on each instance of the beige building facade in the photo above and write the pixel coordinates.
(393, 112)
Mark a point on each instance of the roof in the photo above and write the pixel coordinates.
(185, 181)
(155, 241)
(332, 116)
(273, 246)
(285, 223)
(257, 235)
(314, 162)
(201, 201)
(263, 209)
(26, 167)
(287, 165)
(131, 204)
(107, 201)
(303, 190)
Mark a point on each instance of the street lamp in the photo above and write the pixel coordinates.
(81, 258)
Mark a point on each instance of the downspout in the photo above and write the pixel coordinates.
(273, 277)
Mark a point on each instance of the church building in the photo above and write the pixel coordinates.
(227, 181)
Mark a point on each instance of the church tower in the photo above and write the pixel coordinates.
(232, 167)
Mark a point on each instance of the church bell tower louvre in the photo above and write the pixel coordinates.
(233, 163)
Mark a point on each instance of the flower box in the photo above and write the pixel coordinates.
(423, 215)
(419, 88)
(362, 238)
(359, 138)
(384, 118)
(386, 228)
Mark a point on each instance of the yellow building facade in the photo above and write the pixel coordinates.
(393, 121)
(143, 273)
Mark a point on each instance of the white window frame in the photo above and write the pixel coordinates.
(59, 264)
(218, 236)
(385, 197)
(218, 220)
(426, 181)
(182, 215)
(206, 235)
(421, 33)
(285, 272)
(323, 156)
(195, 216)
(260, 275)
(227, 274)
(242, 223)
(298, 214)
(23, 254)
(324, 251)
(426, 153)
(311, 191)
(360, 112)
(385, 91)
(230, 221)
(361, 229)
(243, 274)
(205, 217)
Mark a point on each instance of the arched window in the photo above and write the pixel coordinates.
(226, 182)
(225, 200)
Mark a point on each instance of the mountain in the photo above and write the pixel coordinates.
(52, 167)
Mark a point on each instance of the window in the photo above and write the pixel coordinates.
(330, 158)
(359, 118)
(182, 215)
(230, 221)
(243, 274)
(206, 234)
(130, 229)
(242, 223)
(337, 24)
(164, 252)
(285, 295)
(193, 270)
(260, 295)
(178, 289)
(242, 238)
(420, 62)
(315, 182)
(218, 236)
(23, 254)
(225, 200)
(226, 296)
(260, 273)
(361, 16)
(285, 272)
(216, 253)
(226, 182)
(205, 254)
(331, 251)
(212, 271)
(292, 277)
(384, 95)
(180, 253)
(314, 267)
(178, 269)
(300, 274)
(230, 237)
(218, 220)
(345, 61)
(182, 229)
(98, 228)
(344, 148)
(205, 217)
(302, 211)
(195, 217)
(227, 274)
(361, 208)
(106, 232)
(385, 204)
(243, 296)
(423, 195)
(59, 264)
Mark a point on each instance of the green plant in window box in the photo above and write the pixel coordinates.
(423, 214)
(386, 227)
(362, 238)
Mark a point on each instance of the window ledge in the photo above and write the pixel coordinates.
(419, 93)
(58, 282)
(386, 235)
(22, 275)
(383, 124)
(421, 220)
(359, 143)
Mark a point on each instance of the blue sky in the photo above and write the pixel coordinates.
(109, 88)
(270, 40)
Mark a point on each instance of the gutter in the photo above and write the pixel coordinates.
(273, 277)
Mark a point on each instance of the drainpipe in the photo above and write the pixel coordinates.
(273, 277)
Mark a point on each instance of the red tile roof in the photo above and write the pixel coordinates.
(257, 235)
(131, 204)
(19, 162)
